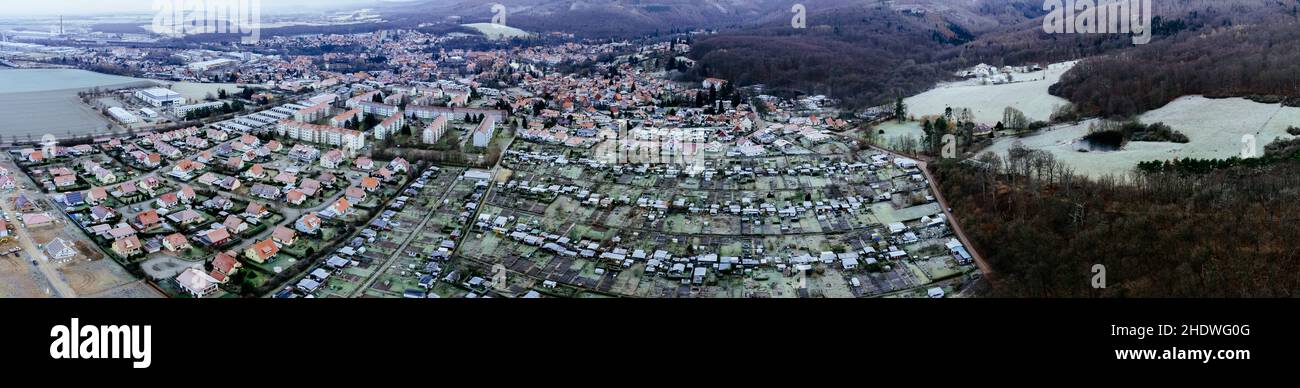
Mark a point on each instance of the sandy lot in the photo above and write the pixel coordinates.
(94, 277)
(988, 101)
(136, 289)
(18, 279)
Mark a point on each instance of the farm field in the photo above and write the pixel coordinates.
(496, 31)
(987, 102)
(1214, 126)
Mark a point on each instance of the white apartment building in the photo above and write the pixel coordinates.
(435, 130)
(321, 134)
(159, 97)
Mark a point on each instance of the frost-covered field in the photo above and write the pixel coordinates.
(196, 92)
(1214, 126)
(497, 31)
(894, 130)
(988, 101)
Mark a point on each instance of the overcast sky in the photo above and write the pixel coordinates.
(85, 7)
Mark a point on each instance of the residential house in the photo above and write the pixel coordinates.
(215, 236)
(235, 162)
(256, 210)
(385, 174)
(370, 184)
(255, 172)
(96, 195)
(176, 242)
(355, 194)
(24, 204)
(309, 186)
(295, 197)
(399, 165)
(101, 213)
(338, 209)
(327, 179)
(197, 283)
(308, 223)
(184, 169)
(104, 175)
(284, 236)
(65, 180)
(331, 159)
(286, 178)
(265, 191)
(218, 203)
(209, 179)
(33, 220)
(74, 199)
(364, 163)
(167, 200)
(148, 219)
(59, 250)
(186, 194)
(235, 224)
(229, 183)
(127, 246)
(262, 251)
(226, 263)
(185, 217)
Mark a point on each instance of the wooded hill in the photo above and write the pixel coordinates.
(1230, 232)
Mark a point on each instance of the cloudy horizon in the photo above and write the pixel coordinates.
(123, 7)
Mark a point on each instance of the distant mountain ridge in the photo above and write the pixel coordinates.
(596, 18)
(863, 54)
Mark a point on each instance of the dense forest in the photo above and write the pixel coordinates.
(1245, 50)
(862, 55)
(869, 54)
(1228, 232)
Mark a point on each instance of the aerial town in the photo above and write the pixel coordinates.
(914, 163)
(467, 173)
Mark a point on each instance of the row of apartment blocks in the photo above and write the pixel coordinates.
(322, 134)
(396, 117)
(429, 135)
(422, 112)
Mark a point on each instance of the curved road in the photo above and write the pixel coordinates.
(943, 203)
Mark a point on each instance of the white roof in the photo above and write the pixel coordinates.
(478, 175)
(195, 280)
(160, 93)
